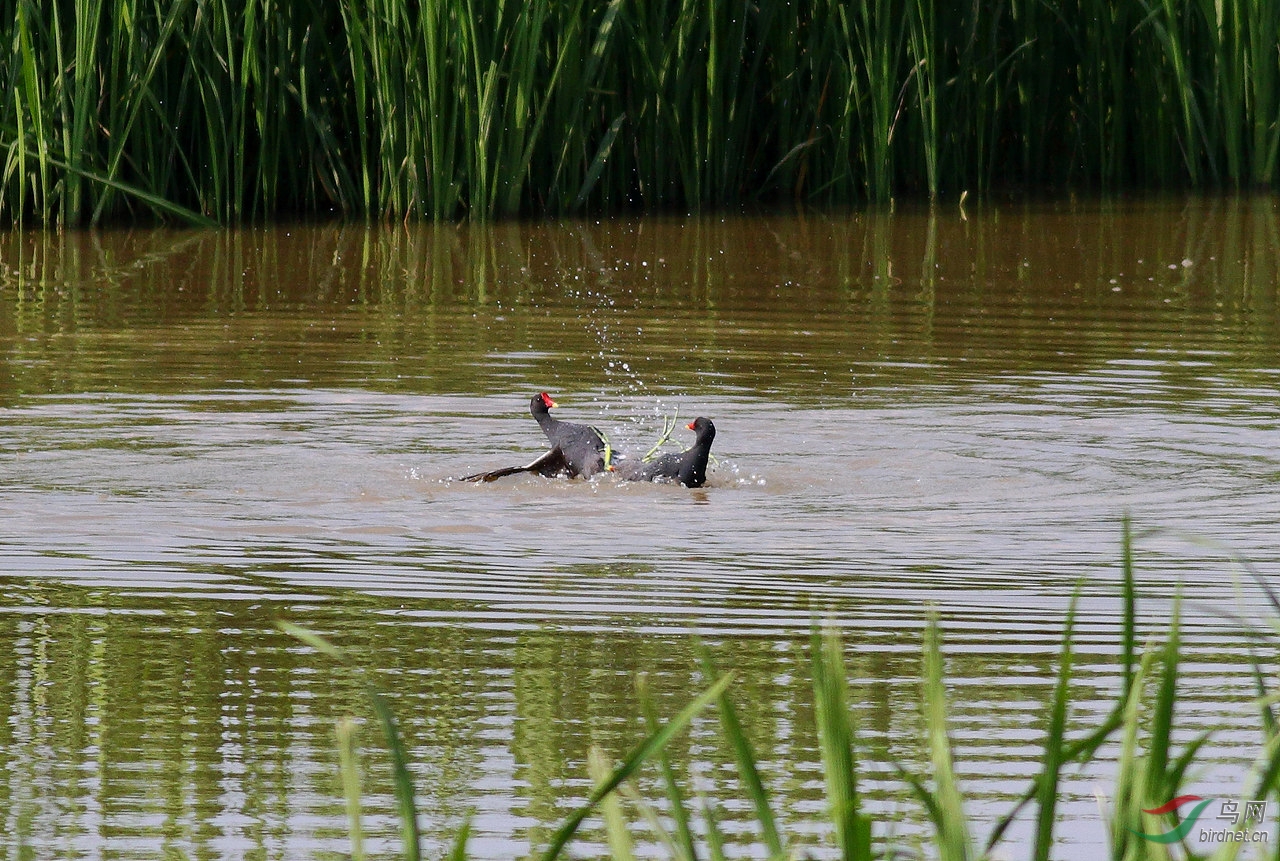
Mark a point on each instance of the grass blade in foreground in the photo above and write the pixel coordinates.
(653, 743)
(1054, 743)
(836, 740)
(1083, 749)
(943, 804)
(674, 794)
(748, 772)
(953, 831)
(405, 799)
(350, 768)
(715, 835)
(1057, 753)
(615, 824)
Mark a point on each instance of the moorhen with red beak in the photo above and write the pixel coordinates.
(575, 449)
(584, 448)
(689, 467)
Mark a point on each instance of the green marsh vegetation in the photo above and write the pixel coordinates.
(1151, 767)
(224, 112)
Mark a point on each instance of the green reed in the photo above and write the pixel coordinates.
(1142, 719)
(228, 112)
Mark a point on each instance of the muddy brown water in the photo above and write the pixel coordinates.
(202, 433)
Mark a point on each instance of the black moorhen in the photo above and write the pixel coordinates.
(584, 448)
(689, 467)
(575, 449)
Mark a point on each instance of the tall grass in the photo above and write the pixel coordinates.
(1143, 716)
(231, 111)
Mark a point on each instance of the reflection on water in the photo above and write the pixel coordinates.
(206, 432)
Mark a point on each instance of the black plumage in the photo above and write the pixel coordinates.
(584, 448)
(575, 449)
(689, 467)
